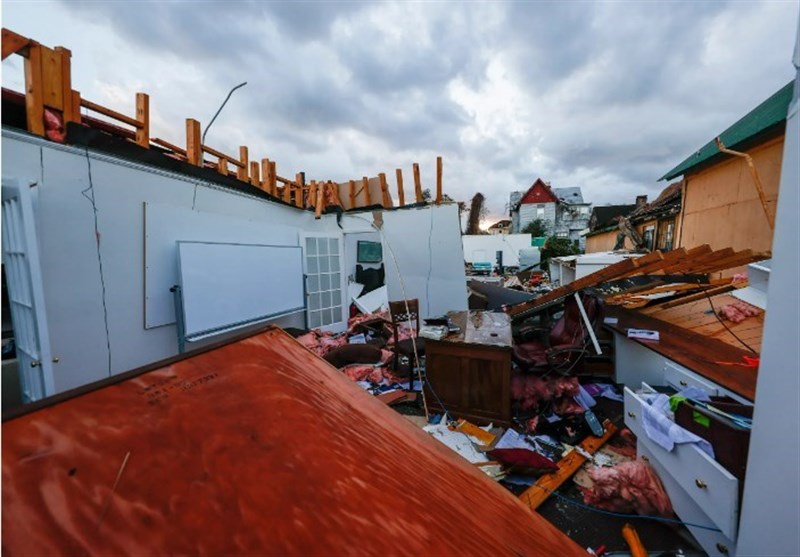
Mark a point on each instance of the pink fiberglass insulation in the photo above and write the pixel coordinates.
(738, 312)
(631, 486)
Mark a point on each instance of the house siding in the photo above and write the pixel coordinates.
(721, 204)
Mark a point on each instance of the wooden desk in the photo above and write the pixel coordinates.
(470, 371)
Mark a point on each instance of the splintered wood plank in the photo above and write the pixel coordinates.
(744, 257)
(401, 195)
(52, 90)
(387, 199)
(34, 99)
(567, 467)
(68, 111)
(667, 259)
(255, 178)
(265, 168)
(242, 173)
(194, 151)
(222, 166)
(694, 261)
(143, 116)
(352, 187)
(365, 189)
(13, 43)
(417, 183)
(298, 194)
(438, 180)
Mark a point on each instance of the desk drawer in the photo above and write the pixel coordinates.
(709, 485)
(678, 378)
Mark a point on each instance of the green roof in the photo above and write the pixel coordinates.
(772, 111)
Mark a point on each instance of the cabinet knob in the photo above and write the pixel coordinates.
(35, 363)
(700, 483)
(632, 414)
(683, 383)
(722, 548)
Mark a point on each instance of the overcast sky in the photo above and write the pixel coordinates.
(607, 96)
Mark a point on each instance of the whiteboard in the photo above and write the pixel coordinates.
(166, 224)
(228, 285)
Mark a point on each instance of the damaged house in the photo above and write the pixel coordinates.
(563, 210)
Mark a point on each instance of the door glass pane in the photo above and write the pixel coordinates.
(328, 315)
(324, 267)
(311, 246)
(313, 301)
(314, 319)
(322, 244)
(313, 264)
(313, 283)
(333, 246)
(326, 299)
(324, 282)
(334, 263)
(336, 298)
(336, 280)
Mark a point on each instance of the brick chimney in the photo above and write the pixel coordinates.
(641, 201)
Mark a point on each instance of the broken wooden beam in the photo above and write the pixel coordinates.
(194, 151)
(567, 467)
(243, 173)
(438, 180)
(401, 196)
(387, 199)
(417, 184)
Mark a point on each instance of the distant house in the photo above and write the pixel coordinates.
(721, 205)
(655, 222)
(563, 210)
(500, 227)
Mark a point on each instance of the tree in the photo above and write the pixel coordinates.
(535, 228)
(557, 247)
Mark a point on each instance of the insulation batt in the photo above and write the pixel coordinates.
(738, 312)
(320, 342)
(631, 486)
(353, 322)
(530, 390)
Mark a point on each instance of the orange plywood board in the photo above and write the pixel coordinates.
(255, 447)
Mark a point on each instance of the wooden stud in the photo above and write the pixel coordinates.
(300, 178)
(312, 193)
(267, 184)
(222, 166)
(255, 178)
(417, 184)
(365, 187)
(34, 101)
(439, 197)
(335, 193)
(143, 117)
(110, 113)
(286, 193)
(68, 111)
(273, 175)
(194, 151)
(243, 172)
(352, 194)
(387, 199)
(401, 196)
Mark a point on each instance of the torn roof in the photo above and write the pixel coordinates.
(253, 447)
(569, 195)
(765, 116)
(667, 202)
(608, 215)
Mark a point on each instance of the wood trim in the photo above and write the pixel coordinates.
(167, 145)
(13, 43)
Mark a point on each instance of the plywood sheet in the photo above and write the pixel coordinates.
(256, 447)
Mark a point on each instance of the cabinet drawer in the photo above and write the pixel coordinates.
(709, 485)
(679, 378)
(714, 543)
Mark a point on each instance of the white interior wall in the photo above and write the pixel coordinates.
(69, 249)
(428, 255)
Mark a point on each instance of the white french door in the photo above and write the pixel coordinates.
(25, 292)
(323, 264)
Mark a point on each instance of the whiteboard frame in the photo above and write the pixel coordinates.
(206, 333)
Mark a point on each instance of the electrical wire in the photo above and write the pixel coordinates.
(99, 257)
(624, 515)
(722, 321)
